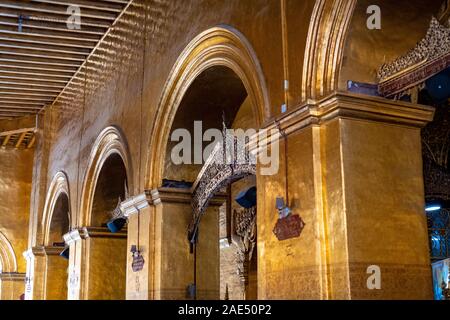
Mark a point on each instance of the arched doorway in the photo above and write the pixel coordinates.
(224, 250)
(8, 268)
(56, 266)
(219, 60)
(106, 273)
(98, 252)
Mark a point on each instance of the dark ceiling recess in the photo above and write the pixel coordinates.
(39, 53)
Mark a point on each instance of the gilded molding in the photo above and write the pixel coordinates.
(58, 186)
(218, 46)
(173, 195)
(52, 251)
(91, 232)
(8, 261)
(12, 276)
(325, 46)
(101, 232)
(430, 56)
(354, 106)
(110, 141)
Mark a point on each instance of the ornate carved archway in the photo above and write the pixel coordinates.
(218, 46)
(110, 141)
(58, 186)
(218, 172)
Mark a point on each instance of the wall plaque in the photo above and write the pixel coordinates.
(289, 227)
(138, 263)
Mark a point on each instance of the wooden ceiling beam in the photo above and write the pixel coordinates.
(40, 55)
(56, 19)
(52, 56)
(19, 104)
(49, 25)
(19, 111)
(10, 115)
(6, 140)
(29, 71)
(44, 48)
(20, 140)
(26, 109)
(31, 142)
(55, 11)
(30, 83)
(51, 33)
(24, 94)
(46, 41)
(27, 88)
(31, 78)
(16, 131)
(96, 5)
(37, 62)
(27, 99)
(116, 1)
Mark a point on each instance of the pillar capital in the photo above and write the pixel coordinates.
(12, 276)
(36, 251)
(91, 232)
(353, 106)
(174, 195)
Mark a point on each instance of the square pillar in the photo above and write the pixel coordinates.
(355, 177)
(12, 285)
(35, 274)
(97, 264)
(164, 245)
(56, 274)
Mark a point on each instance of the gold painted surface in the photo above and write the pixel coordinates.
(12, 286)
(403, 24)
(208, 256)
(56, 275)
(141, 233)
(389, 229)
(123, 85)
(106, 269)
(367, 173)
(290, 269)
(15, 189)
(36, 265)
(176, 263)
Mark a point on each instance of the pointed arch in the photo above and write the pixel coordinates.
(58, 187)
(218, 46)
(110, 141)
(8, 260)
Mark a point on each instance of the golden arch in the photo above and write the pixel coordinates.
(218, 46)
(110, 141)
(8, 261)
(58, 186)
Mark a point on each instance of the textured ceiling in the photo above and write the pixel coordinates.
(39, 53)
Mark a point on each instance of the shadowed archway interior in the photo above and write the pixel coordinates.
(216, 97)
(110, 187)
(60, 222)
